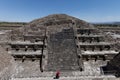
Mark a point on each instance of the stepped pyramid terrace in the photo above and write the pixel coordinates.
(60, 42)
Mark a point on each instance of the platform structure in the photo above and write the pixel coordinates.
(73, 48)
(32, 47)
(93, 45)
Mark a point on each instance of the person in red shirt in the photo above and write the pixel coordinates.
(57, 75)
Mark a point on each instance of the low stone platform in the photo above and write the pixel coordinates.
(38, 52)
(31, 69)
(72, 78)
(25, 42)
(95, 44)
(105, 52)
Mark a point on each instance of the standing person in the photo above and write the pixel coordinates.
(57, 75)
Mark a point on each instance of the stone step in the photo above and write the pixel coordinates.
(71, 78)
(62, 74)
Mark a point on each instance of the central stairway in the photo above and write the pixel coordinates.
(63, 54)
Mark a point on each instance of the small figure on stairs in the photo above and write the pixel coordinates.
(57, 75)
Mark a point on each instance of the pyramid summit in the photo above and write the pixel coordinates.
(58, 19)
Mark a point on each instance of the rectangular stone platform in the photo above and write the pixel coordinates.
(89, 36)
(36, 37)
(94, 43)
(26, 53)
(110, 52)
(25, 43)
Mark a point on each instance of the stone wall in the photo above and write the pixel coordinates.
(113, 66)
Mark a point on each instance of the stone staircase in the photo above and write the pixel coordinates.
(63, 54)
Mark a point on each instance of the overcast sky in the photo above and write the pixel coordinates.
(88, 10)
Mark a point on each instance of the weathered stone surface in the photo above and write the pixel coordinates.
(63, 54)
(58, 33)
(113, 67)
(6, 65)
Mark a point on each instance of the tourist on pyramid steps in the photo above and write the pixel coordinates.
(57, 75)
